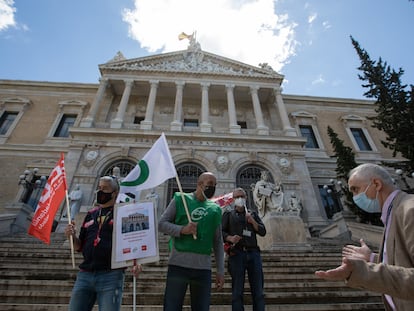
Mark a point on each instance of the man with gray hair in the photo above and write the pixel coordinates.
(391, 271)
(97, 281)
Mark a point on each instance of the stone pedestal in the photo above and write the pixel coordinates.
(283, 229)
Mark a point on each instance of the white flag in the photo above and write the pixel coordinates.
(155, 167)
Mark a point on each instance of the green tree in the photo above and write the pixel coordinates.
(394, 106)
(345, 161)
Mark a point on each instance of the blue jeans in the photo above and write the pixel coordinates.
(237, 265)
(105, 287)
(178, 279)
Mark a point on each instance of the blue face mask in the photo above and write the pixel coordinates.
(366, 204)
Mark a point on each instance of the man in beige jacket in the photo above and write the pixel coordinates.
(391, 271)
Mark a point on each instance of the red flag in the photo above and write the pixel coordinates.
(224, 199)
(52, 196)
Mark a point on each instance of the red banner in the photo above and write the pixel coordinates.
(52, 196)
(223, 200)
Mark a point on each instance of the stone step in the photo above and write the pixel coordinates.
(36, 276)
(276, 307)
(61, 297)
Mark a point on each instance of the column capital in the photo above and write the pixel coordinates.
(154, 82)
(254, 88)
(205, 84)
(180, 84)
(230, 86)
(277, 90)
(129, 82)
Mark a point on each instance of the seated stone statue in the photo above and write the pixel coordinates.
(268, 196)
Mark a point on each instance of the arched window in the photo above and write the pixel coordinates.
(246, 177)
(187, 174)
(125, 166)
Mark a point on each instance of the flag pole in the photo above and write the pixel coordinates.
(69, 221)
(185, 203)
(134, 291)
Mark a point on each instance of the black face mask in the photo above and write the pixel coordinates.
(103, 197)
(209, 191)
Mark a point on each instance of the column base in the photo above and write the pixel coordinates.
(176, 126)
(146, 125)
(290, 131)
(262, 130)
(205, 127)
(116, 124)
(235, 129)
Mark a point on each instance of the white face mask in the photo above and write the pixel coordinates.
(240, 202)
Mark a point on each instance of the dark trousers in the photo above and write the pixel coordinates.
(237, 265)
(178, 279)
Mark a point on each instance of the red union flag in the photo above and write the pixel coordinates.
(52, 196)
(223, 200)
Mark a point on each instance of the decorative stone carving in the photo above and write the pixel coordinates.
(222, 163)
(284, 165)
(90, 157)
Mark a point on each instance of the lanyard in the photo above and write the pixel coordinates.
(100, 224)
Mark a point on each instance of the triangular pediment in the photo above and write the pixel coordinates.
(189, 62)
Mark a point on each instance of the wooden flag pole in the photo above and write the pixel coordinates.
(185, 203)
(72, 252)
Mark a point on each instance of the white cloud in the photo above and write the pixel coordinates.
(249, 30)
(326, 25)
(7, 14)
(312, 18)
(318, 80)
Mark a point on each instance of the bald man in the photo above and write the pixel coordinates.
(191, 243)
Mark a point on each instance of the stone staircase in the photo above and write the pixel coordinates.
(35, 276)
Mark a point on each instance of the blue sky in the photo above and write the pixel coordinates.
(306, 41)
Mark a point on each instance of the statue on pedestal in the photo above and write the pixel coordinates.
(268, 196)
(75, 198)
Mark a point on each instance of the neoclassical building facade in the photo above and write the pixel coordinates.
(218, 115)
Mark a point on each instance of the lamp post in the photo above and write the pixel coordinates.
(32, 185)
(334, 192)
(402, 177)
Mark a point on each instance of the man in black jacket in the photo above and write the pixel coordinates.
(240, 227)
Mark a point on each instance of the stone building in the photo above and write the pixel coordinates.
(218, 115)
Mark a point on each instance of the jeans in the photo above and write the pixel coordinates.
(105, 287)
(178, 279)
(237, 265)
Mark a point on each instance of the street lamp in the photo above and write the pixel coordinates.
(33, 185)
(402, 176)
(334, 192)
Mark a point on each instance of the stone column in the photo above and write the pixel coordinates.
(89, 120)
(280, 105)
(231, 106)
(177, 123)
(205, 126)
(261, 128)
(149, 113)
(119, 119)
